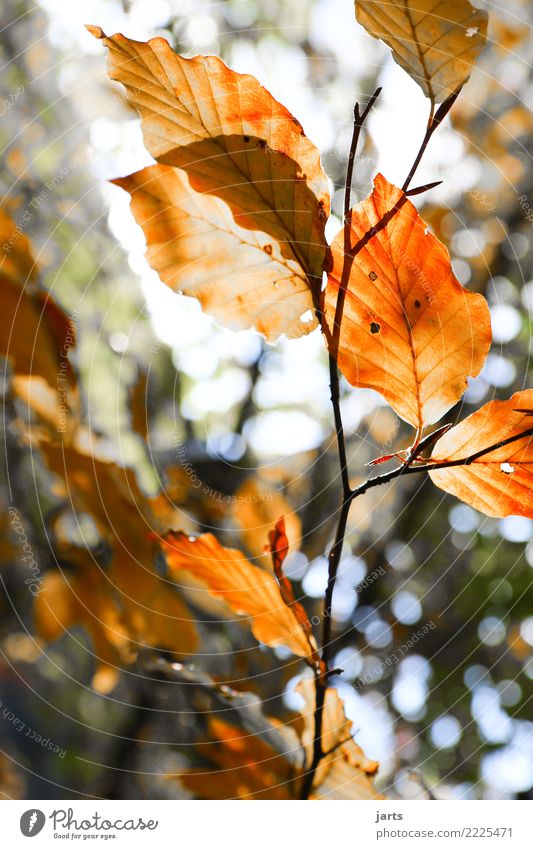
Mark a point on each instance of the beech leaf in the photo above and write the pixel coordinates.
(240, 276)
(247, 589)
(232, 140)
(499, 483)
(344, 772)
(435, 41)
(409, 329)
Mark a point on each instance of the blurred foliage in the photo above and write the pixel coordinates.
(188, 421)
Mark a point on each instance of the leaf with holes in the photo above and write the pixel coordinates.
(409, 329)
(500, 482)
(435, 41)
(255, 257)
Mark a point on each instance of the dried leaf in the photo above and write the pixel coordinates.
(151, 610)
(245, 588)
(240, 276)
(279, 548)
(435, 41)
(345, 772)
(499, 483)
(409, 329)
(246, 766)
(236, 142)
(256, 507)
(66, 600)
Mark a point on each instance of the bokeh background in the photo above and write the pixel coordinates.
(177, 399)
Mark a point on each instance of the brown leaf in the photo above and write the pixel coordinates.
(247, 589)
(345, 772)
(151, 610)
(499, 483)
(230, 139)
(279, 548)
(435, 41)
(85, 599)
(409, 329)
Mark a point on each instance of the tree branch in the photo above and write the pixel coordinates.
(333, 339)
(321, 681)
(431, 467)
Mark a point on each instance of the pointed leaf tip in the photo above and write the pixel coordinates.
(96, 31)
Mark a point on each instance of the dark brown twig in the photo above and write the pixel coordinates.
(333, 339)
(431, 467)
(336, 550)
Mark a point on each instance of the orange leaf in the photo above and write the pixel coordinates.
(436, 43)
(244, 587)
(233, 140)
(35, 333)
(240, 276)
(279, 548)
(409, 329)
(84, 599)
(152, 612)
(246, 766)
(499, 483)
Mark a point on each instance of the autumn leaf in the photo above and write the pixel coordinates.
(247, 589)
(36, 335)
(344, 772)
(232, 140)
(84, 598)
(256, 506)
(500, 482)
(240, 276)
(409, 329)
(243, 766)
(279, 548)
(435, 41)
(152, 612)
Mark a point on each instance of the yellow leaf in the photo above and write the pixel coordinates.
(435, 41)
(245, 588)
(499, 483)
(409, 329)
(234, 141)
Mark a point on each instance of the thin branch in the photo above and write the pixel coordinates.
(431, 467)
(333, 339)
(321, 681)
(359, 120)
(434, 122)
